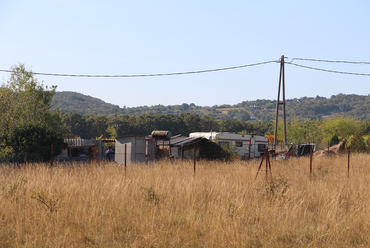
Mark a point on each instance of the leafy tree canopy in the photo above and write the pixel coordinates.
(26, 122)
(23, 101)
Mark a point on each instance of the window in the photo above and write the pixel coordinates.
(261, 147)
(239, 143)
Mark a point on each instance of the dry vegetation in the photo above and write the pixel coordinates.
(167, 206)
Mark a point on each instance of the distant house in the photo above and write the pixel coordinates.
(252, 117)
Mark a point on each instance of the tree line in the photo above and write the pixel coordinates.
(95, 126)
(92, 126)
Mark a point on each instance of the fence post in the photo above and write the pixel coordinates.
(349, 153)
(125, 157)
(328, 146)
(195, 153)
(267, 169)
(51, 160)
(268, 160)
(310, 162)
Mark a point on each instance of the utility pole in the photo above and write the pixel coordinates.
(115, 125)
(278, 103)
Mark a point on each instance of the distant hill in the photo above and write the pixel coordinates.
(355, 106)
(68, 101)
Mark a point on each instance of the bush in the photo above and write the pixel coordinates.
(6, 154)
(357, 143)
(32, 143)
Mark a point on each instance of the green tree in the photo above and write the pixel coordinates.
(76, 124)
(192, 122)
(97, 126)
(334, 139)
(208, 123)
(303, 131)
(27, 125)
(341, 126)
(112, 132)
(32, 143)
(228, 125)
(357, 143)
(23, 101)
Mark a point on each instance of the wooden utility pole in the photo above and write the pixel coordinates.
(278, 103)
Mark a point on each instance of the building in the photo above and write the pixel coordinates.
(179, 147)
(134, 149)
(85, 150)
(246, 145)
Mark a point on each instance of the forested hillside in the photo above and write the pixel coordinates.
(73, 102)
(353, 106)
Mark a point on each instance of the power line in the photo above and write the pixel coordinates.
(213, 70)
(332, 61)
(149, 75)
(325, 70)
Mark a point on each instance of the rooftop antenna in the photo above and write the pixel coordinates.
(278, 103)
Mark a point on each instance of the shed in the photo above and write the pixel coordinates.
(133, 149)
(179, 147)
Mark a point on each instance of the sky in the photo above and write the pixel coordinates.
(147, 37)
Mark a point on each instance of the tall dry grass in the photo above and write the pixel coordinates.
(167, 206)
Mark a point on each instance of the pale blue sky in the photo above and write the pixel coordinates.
(144, 37)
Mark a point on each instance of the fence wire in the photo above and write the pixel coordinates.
(144, 153)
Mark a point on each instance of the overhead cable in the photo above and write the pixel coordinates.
(319, 69)
(332, 61)
(213, 70)
(149, 75)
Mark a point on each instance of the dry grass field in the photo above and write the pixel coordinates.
(167, 206)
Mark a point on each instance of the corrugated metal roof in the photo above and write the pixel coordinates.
(180, 141)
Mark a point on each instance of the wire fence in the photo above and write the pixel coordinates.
(51, 154)
(138, 155)
(146, 153)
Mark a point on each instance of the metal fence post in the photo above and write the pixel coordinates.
(349, 153)
(267, 159)
(195, 153)
(125, 156)
(310, 162)
(51, 160)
